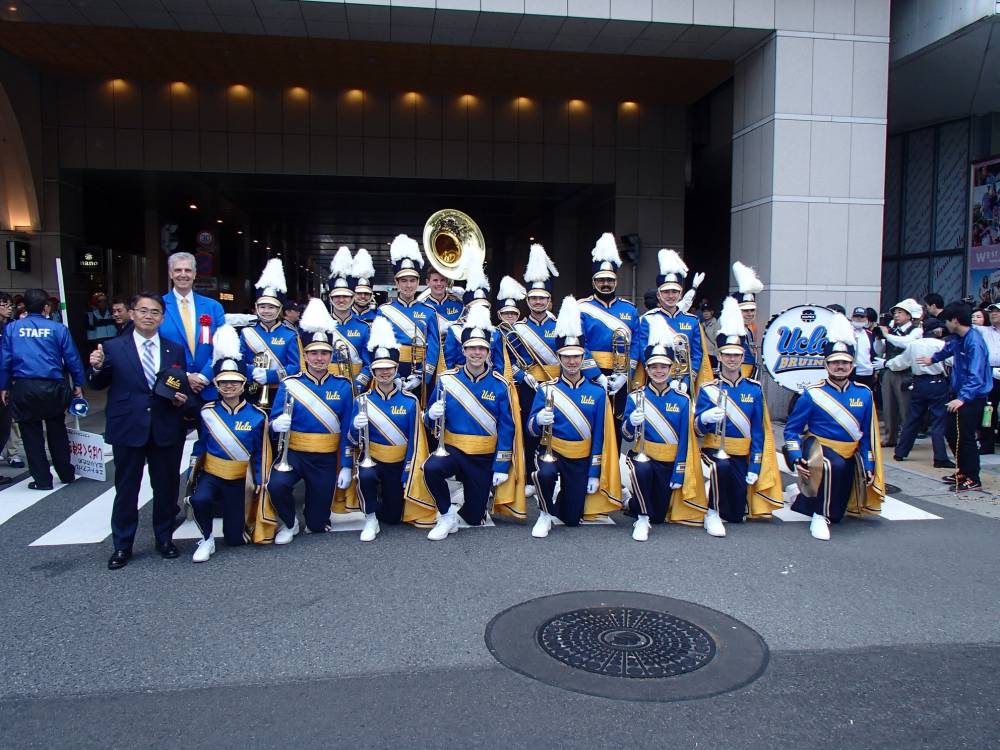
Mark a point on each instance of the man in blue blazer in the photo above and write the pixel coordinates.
(142, 427)
(191, 320)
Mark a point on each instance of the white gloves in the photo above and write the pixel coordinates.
(344, 478)
(878, 364)
(545, 417)
(996, 373)
(685, 304)
(259, 375)
(602, 380)
(593, 484)
(436, 410)
(752, 477)
(530, 381)
(637, 417)
(679, 385)
(360, 421)
(499, 478)
(282, 423)
(698, 278)
(615, 383)
(675, 485)
(411, 383)
(714, 415)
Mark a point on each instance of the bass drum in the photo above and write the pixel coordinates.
(792, 346)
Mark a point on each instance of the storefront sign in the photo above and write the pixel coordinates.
(89, 259)
(18, 256)
(984, 232)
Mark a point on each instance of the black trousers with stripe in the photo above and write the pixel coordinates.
(232, 496)
(380, 490)
(474, 472)
(727, 485)
(319, 471)
(650, 484)
(572, 474)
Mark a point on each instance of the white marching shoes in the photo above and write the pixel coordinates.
(819, 527)
(204, 551)
(713, 524)
(371, 529)
(542, 526)
(285, 535)
(640, 529)
(446, 524)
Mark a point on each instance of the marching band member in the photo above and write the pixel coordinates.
(669, 283)
(386, 428)
(270, 347)
(476, 294)
(473, 414)
(744, 479)
(604, 313)
(748, 286)
(233, 440)
(363, 271)
(320, 407)
(508, 295)
(352, 332)
(574, 424)
(445, 302)
(664, 465)
(833, 432)
(411, 319)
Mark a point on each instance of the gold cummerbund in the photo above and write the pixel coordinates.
(734, 446)
(225, 468)
(664, 452)
(313, 442)
(605, 360)
(475, 445)
(843, 449)
(387, 454)
(571, 448)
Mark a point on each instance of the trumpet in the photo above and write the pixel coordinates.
(260, 359)
(439, 428)
(640, 431)
(418, 356)
(284, 440)
(364, 451)
(720, 426)
(619, 357)
(546, 439)
(265, 390)
(345, 368)
(682, 362)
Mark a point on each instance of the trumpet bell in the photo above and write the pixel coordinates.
(451, 240)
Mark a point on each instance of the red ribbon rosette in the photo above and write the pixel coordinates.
(205, 335)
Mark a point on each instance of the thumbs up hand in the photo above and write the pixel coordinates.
(97, 357)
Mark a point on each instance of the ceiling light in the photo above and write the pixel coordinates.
(193, 206)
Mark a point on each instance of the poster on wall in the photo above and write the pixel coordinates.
(984, 232)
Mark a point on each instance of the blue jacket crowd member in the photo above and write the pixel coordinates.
(35, 356)
(234, 441)
(664, 466)
(362, 273)
(142, 427)
(474, 423)
(191, 319)
(839, 416)
(270, 348)
(312, 408)
(743, 480)
(748, 286)
(410, 318)
(351, 337)
(669, 287)
(570, 417)
(971, 382)
(387, 435)
(604, 313)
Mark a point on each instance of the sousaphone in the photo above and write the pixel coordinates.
(452, 240)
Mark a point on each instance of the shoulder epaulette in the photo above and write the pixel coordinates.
(499, 377)
(261, 409)
(208, 405)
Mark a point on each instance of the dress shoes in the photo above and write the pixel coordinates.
(119, 559)
(167, 550)
(945, 464)
(37, 486)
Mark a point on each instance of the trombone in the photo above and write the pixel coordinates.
(619, 359)
(524, 356)
(285, 439)
(546, 439)
(720, 426)
(640, 431)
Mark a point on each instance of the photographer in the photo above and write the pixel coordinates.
(890, 342)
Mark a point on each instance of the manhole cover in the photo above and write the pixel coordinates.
(627, 645)
(626, 642)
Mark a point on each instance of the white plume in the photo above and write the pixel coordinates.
(606, 249)
(511, 289)
(840, 330)
(342, 262)
(404, 247)
(747, 280)
(317, 318)
(226, 343)
(568, 323)
(458, 291)
(660, 332)
(475, 278)
(362, 267)
(479, 317)
(671, 262)
(381, 335)
(731, 318)
(272, 277)
(540, 267)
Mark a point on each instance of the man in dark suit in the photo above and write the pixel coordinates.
(141, 426)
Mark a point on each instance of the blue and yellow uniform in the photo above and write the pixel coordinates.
(404, 317)
(448, 310)
(279, 342)
(316, 450)
(749, 444)
(454, 355)
(600, 321)
(842, 419)
(749, 367)
(367, 315)
(684, 324)
(232, 442)
(354, 333)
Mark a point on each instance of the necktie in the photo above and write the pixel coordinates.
(187, 315)
(148, 365)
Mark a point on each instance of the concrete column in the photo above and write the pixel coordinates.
(809, 130)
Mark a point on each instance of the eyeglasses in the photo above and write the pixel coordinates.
(147, 311)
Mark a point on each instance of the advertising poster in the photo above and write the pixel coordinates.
(984, 232)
